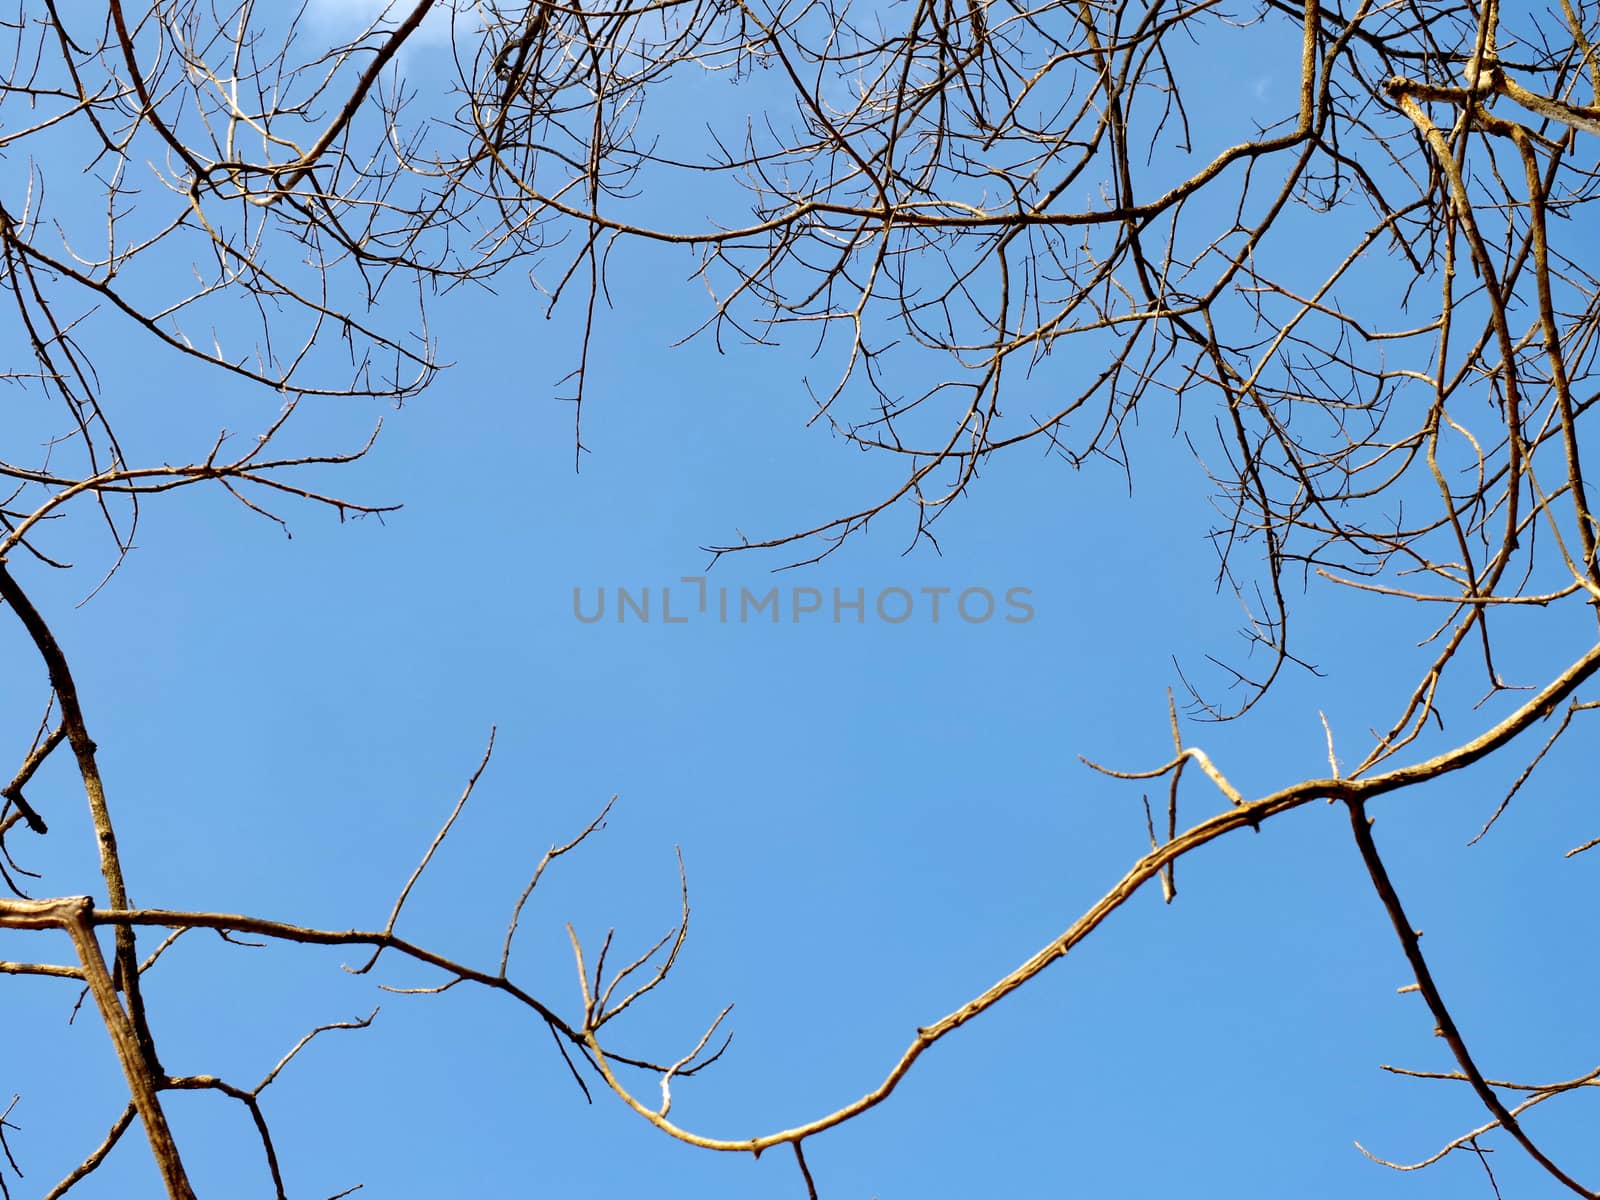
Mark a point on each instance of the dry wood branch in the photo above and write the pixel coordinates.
(1246, 814)
(438, 840)
(991, 228)
(1410, 943)
(76, 918)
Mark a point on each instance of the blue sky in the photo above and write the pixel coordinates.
(876, 821)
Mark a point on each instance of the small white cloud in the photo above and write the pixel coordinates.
(350, 17)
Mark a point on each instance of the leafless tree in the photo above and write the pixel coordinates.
(1043, 215)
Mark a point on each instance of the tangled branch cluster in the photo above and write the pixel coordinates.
(1360, 286)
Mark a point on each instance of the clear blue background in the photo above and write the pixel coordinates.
(877, 821)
